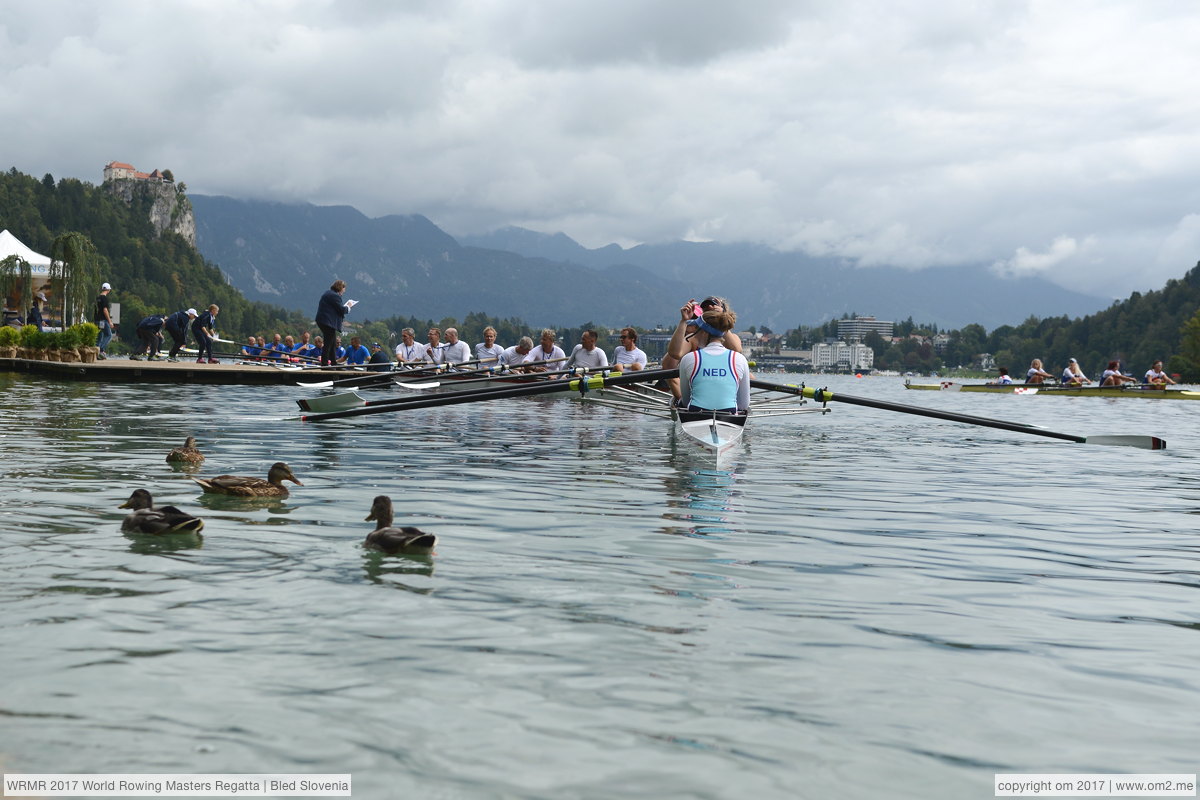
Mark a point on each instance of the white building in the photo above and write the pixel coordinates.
(854, 330)
(842, 355)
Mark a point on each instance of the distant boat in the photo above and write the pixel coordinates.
(1153, 391)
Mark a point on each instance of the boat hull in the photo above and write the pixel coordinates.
(716, 434)
(1151, 392)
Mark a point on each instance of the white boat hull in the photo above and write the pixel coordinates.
(715, 435)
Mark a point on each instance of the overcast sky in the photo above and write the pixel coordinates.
(1058, 137)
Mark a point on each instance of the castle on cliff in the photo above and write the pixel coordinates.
(118, 170)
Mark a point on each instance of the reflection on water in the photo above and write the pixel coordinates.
(882, 605)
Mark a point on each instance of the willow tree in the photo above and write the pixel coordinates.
(74, 274)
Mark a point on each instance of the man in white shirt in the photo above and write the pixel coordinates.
(488, 352)
(455, 350)
(546, 351)
(628, 355)
(586, 354)
(515, 356)
(409, 349)
(435, 351)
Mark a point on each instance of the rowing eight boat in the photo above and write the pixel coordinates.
(1154, 391)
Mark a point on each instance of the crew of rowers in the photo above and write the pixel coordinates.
(525, 356)
(1073, 376)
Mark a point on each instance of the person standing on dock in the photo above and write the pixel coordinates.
(713, 377)
(177, 325)
(149, 333)
(35, 311)
(203, 328)
(103, 320)
(330, 312)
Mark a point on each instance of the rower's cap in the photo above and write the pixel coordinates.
(105, 286)
(1072, 361)
(192, 312)
(40, 296)
(377, 344)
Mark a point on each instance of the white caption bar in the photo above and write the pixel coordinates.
(176, 785)
(1098, 785)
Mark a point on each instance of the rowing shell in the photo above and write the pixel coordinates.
(714, 433)
(1150, 391)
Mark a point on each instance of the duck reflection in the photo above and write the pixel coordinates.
(384, 569)
(225, 502)
(154, 544)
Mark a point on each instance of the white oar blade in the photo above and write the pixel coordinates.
(431, 385)
(317, 385)
(334, 402)
(1144, 442)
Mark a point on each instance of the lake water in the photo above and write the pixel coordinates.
(866, 604)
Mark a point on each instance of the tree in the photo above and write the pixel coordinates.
(74, 274)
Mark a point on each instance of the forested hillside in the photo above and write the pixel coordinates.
(148, 274)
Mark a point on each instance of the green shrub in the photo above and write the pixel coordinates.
(36, 340)
(9, 336)
(25, 331)
(69, 339)
(88, 331)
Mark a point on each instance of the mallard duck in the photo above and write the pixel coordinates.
(188, 454)
(252, 487)
(148, 519)
(395, 540)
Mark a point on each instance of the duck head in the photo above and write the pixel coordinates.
(381, 511)
(281, 472)
(138, 500)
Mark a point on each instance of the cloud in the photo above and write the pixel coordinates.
(904, 133)
(1027, 262)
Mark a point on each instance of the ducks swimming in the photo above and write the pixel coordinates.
(395, 540)
(148, 519)
(240, 486)
(188, 454)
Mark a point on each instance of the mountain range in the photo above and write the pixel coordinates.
(288, 255)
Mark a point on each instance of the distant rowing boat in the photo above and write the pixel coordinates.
(1148, 390)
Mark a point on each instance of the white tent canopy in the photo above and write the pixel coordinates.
(12, 246)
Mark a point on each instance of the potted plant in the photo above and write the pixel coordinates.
(9, 336)
(68, 345)
(23, 341)
(87, 333)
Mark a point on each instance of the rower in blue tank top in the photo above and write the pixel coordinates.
(714, 378)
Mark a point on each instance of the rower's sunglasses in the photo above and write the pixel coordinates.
(713, 302)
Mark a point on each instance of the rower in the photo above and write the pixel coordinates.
(488, 351)
(586, 354)
(435, 351)
(1155, 375)
(713, 377)
(1073, 375)
(409, 349)
(515, 356)
(682, 342)
(628, 354)
(357, 355)
(456, 351)
(1113, 377)
(546, 351)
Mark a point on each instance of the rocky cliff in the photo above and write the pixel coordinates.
(165, 204)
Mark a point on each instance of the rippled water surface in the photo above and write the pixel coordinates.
(866, 604)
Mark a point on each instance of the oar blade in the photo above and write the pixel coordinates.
(1128, 440)
(334, 402)
(430, 385)
(317, 385)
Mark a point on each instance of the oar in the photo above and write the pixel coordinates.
(345, 400)
(824, 395)
(452, 378)
(477, 395)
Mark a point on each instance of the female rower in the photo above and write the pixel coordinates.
(713, 377)
(1073, 375)
(1113, 377)
(1155, 375)
(1036, 373)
